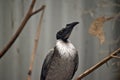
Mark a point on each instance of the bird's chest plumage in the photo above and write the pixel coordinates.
(62, 65)
(61, 68)
(65, 49)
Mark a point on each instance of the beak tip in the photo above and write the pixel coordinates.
(72, 24)
(75, 23)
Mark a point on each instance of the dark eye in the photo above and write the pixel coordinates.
(60, 32)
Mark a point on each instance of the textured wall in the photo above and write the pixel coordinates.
(14, 65)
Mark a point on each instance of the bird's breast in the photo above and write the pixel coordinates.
(62, 63)
(61, 68)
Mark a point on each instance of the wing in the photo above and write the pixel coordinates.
(46, 65)
(76, 62)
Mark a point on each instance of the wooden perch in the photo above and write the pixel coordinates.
(115, 56)
(36, 41)
(22, 25)
(88, 71)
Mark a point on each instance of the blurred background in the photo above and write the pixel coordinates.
(14, 65)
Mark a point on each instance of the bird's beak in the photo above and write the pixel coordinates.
(69, 28)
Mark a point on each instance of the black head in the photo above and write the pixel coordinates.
(64, 33)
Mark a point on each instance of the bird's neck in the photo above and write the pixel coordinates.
(65, 48)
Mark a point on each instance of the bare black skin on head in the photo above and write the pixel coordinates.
(64, 33)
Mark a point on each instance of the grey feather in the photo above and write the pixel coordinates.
(55, 67)
(46, 64)
(76, 61)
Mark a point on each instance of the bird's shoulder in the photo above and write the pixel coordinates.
(46, 64)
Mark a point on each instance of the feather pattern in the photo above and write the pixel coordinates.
(61, 63)
(65, 49)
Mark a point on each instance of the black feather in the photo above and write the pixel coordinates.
(46, 65)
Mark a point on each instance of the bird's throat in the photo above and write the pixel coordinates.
(65, 49)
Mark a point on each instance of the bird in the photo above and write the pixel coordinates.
(62, 61)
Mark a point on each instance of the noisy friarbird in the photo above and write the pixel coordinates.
(62, 61)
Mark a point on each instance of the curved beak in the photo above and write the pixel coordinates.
(69, 28)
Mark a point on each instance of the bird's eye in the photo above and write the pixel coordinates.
(61, 31)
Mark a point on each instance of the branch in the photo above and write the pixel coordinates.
(35, 44)
(42, 8)
(88, 71)
(19, 30)
(115, 56)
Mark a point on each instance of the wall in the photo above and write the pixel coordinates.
(14, 65)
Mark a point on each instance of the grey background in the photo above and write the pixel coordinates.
(14, 65)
